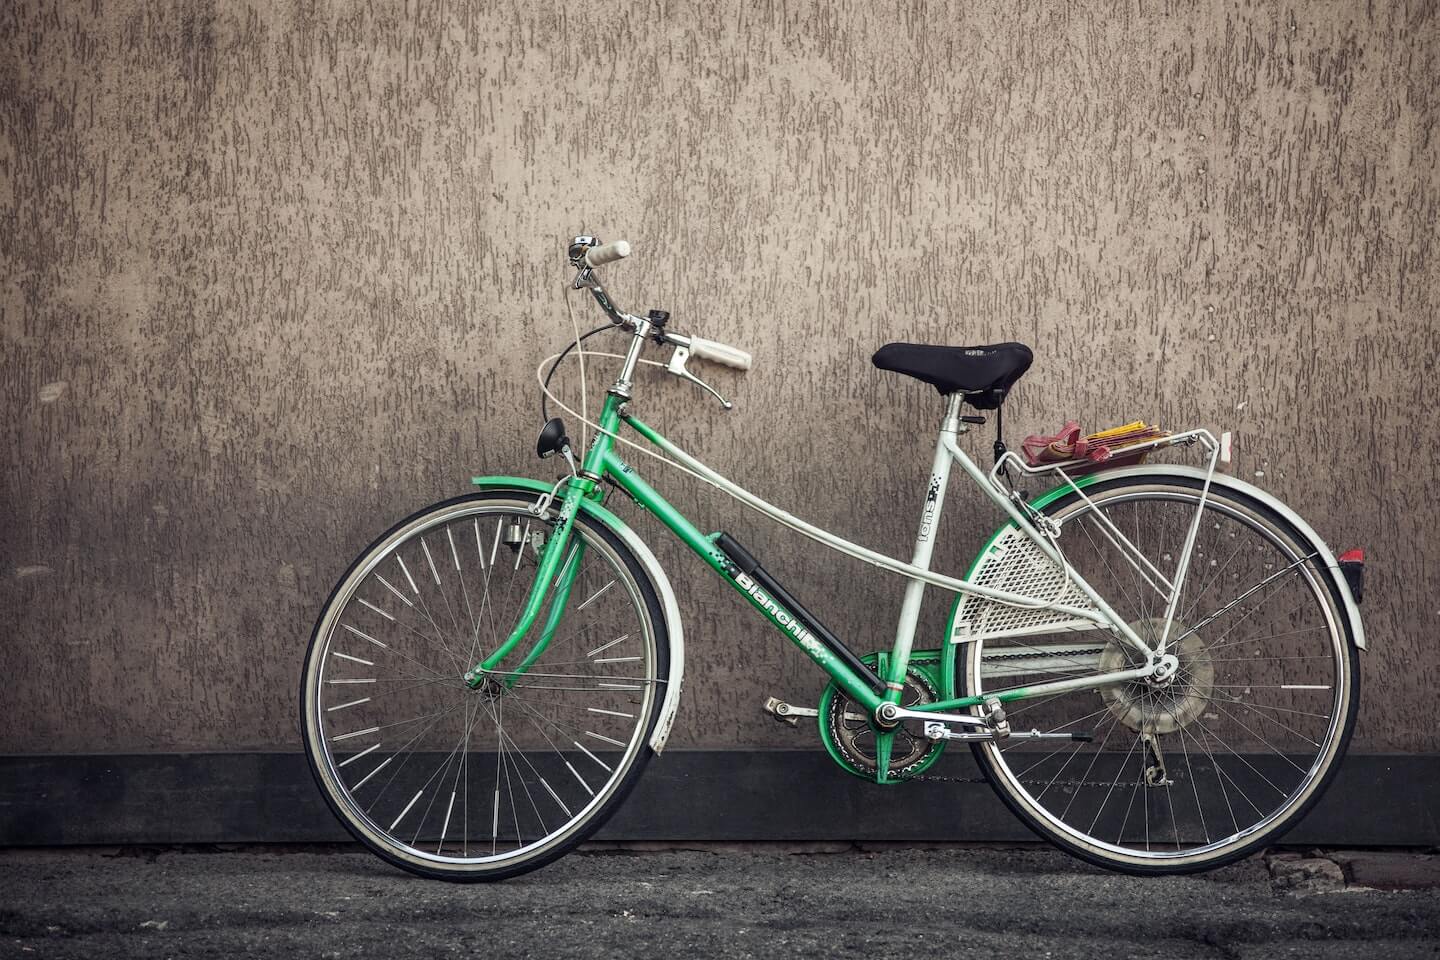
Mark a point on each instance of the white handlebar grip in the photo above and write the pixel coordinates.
(720, 353)
(607, 253)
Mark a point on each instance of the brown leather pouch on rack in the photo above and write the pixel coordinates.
(1091, 452)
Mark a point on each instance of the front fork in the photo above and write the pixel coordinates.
(559, 564)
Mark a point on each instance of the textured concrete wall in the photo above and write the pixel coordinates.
(273, 275)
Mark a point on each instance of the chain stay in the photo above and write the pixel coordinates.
(936, 778)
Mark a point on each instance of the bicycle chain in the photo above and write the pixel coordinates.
(1029, 783)
(1032, 654)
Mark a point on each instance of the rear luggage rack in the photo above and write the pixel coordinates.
(1016, 561)
(1119, 456)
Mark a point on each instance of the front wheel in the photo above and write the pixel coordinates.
(1214, 762)
(457, 783)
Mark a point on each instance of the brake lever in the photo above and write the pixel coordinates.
(677, 367)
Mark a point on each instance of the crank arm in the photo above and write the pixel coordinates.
(890, 713)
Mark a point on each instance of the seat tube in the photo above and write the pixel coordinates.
(924, 546)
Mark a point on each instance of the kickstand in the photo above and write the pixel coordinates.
(1155, 774)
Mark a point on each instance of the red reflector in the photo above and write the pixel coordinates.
(1353, 556)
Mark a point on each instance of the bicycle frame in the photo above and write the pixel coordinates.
(559, 562)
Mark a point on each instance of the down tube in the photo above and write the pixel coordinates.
(650, 499)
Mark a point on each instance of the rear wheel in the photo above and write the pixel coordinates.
(1220, 759)
(479, 784)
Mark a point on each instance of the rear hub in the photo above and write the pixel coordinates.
(1168, 701)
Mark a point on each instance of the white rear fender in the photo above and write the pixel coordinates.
(1352, 610)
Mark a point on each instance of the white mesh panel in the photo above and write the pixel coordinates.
(1015, 563)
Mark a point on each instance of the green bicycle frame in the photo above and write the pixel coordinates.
(555, 579)
(559, 562)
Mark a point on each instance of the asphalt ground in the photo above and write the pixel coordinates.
(717, 902)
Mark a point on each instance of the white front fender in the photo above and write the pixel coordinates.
(673, 627)
(676, 630)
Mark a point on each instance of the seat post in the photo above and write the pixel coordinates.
(951, 423)
(931, 507)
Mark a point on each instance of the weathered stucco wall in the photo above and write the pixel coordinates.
(273, 275)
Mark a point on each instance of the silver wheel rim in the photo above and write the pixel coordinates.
(1034, 794)
(559, 742)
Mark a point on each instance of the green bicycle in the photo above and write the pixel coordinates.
(1155, 666)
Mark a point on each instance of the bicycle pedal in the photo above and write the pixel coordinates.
(788, 713)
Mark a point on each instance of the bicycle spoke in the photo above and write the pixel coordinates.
(1274, 636)
(1220, 705)
(1190, 611)
(1219, 778)
(1301, 713)
(444, 765)
(435, 638)
(1090, 769)
(510, 750)
(1104, 555)
(408, 741)
(396, 652)
(1188, 766)
(404, 749)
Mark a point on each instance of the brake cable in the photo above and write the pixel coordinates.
(545, 392)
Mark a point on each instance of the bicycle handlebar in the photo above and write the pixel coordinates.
(720, 353)
(607, 253)
(596, 256)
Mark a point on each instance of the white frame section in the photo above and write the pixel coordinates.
(947, 453)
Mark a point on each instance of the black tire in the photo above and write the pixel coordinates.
(616, 789)
(1024, 807)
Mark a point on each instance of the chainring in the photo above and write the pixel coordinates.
(847, 731)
